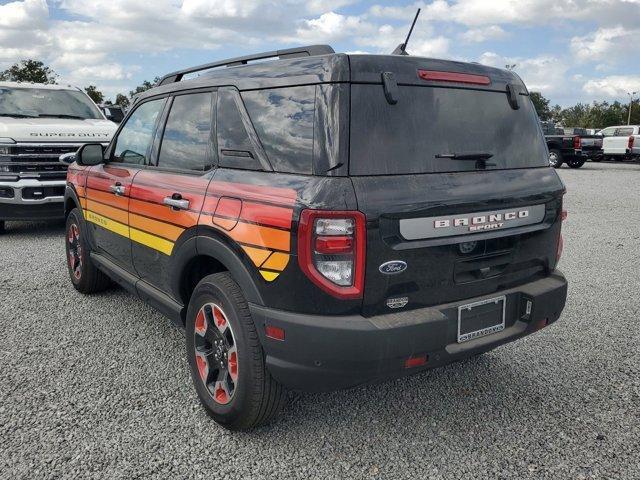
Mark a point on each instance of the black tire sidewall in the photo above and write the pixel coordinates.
(558, 156)
(241, 403)
(74, 218)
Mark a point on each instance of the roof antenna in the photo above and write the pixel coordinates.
(402, 48)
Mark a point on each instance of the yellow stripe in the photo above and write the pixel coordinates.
(269, 276)
(157, 243)
(144, 238)
(277, 261)
(107, 223)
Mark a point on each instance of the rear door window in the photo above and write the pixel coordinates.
(133, 144)
(283, 119)
(187, 142)
(428, 125)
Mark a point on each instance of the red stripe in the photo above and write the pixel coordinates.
(267, 214)
(286, 196)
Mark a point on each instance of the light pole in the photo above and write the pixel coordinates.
(631, 94)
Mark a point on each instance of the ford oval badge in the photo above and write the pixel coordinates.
(393, 267)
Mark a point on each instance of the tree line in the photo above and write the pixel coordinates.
(35, 71)
(585, 115)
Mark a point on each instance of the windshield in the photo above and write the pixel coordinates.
(433, 129)
(40, 102)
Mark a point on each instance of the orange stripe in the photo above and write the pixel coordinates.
(109, 212)
(108, 198)
(267, 214)
(162, 212)
(277, 261)
(261, 236)
(161, 229)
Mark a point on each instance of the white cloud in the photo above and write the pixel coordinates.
(614, 86)
(606, 44)
(492, 32)
(546, 73)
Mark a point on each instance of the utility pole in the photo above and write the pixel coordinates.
(631, 94)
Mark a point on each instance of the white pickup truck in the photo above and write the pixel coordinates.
(621, 142)
(38, 123)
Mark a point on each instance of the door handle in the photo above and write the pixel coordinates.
(176, 202)
(117, 189)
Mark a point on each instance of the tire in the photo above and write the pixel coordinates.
(226, 359)
(84, 275)
(555, 158)
(575, 163)
(2, 227)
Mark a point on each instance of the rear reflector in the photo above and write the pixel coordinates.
(275, 333)
(435, 76)
(417, 361)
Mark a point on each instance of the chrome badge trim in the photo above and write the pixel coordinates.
(393, 267)
(476, 222)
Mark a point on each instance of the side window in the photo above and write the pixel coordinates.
(234, 143)
(186, 142)
(608, 132)
(623, 132)
(134, 141)
(283, 119)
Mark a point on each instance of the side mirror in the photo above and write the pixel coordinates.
(90, 154)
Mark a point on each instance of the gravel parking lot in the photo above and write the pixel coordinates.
(98, 387)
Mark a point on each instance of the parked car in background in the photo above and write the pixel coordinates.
(310, 229)
(562, 148)
(590, 143)
(621, 142)
(115, 113)
(38, 123)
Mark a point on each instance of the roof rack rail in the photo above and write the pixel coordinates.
(308, 51)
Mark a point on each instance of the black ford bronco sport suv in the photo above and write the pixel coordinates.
(322, 220)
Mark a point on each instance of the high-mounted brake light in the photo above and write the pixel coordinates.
(577, 143)
(436, 76)
(331, 250)
(631, 141)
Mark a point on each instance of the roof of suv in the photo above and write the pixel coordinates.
(320, 64)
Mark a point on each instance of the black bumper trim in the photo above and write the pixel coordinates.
(323, 353)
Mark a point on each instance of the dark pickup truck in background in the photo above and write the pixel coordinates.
(572, 146)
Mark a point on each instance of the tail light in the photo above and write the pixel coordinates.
(559, 250)
(577, 143)
(331, 251)
(631, 140)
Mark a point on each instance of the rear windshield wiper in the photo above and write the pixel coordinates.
(466, 156)
(62, 115)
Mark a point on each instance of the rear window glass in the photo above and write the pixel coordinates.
(283, 119)
(428, 122)
(186, 142)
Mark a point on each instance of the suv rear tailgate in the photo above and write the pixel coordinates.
(461, 265)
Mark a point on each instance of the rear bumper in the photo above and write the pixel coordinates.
(31, 199)
(323, 353)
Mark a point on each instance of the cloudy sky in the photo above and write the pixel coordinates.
(573, 50)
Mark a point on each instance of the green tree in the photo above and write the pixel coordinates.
(143, 87)
(33, 71)
(122, 100)
(95, 94)
(541, 105)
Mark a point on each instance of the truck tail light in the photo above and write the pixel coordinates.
(577, 143)
(331, 251)
(631, 141)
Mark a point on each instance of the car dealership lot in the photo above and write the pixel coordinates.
(98, 387)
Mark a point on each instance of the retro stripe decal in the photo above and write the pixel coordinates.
(257, 217)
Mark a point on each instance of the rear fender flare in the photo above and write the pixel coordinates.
(209, 243)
